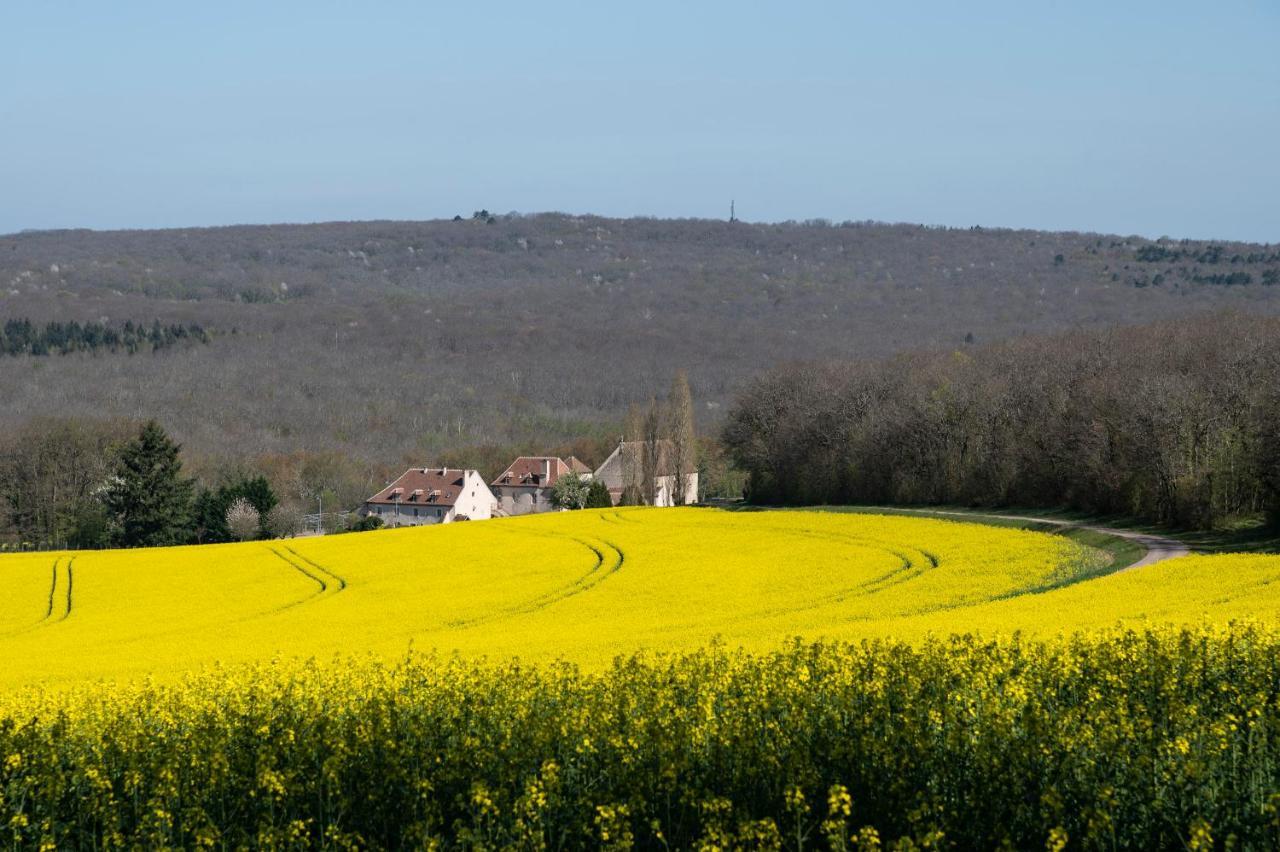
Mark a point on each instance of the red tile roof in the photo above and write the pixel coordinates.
(418, 486)
(530, 472)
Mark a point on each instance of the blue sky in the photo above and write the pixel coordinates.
(1135, 118)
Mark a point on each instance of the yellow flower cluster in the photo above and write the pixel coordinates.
(585, 586)
(1125, 739)
(613, 678)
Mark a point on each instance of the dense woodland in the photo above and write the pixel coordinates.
(391, 342)
(338, 354)
(1175, 422)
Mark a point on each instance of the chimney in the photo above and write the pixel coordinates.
(546, 471)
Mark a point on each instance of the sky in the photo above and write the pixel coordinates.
(1148, 118)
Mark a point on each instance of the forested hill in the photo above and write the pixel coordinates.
(399, 339)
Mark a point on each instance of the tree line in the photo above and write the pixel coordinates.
(1177, 423)
(23, 337)
(91, 484)
(68, 482)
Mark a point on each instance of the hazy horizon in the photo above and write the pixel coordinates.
(636, 216)
(1155, 119)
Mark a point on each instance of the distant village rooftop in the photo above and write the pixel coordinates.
(534, 472)
(426, 486)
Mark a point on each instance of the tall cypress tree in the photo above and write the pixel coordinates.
(149, 500)
(684, 439)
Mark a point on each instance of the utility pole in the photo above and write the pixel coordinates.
(320, 517)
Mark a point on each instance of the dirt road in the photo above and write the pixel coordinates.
(1158, 547)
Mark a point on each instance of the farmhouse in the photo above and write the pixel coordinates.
(432, 495)
(525, 486)
(625, 467)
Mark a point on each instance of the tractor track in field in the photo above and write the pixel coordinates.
(316, 573)
(58, 603)
(53, 590)
(336, 578)
(598, 573)
(66, 613)
(59, 606)
(909, 570)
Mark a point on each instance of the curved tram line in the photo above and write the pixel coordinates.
(327, 583)
(58, 605)
(606, 551)
(336, 578)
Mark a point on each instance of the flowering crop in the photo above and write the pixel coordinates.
(306, 693)
(1149, 739)
(582, 586)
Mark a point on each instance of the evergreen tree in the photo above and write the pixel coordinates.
(148, 500)
(598, 496)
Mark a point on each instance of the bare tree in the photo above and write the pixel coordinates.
(1171, 422)
(737, 299)
(633, 456)
(283, 521)
(684, 446)
(49, 473)
(652, 450)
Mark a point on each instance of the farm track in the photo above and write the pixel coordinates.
(1158, 548)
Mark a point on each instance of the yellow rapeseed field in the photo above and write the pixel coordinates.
(306, 694)
(584, 586)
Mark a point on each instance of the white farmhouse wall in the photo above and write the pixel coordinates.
(474, 501)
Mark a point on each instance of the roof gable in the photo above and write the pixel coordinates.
(417, 486)
(632, 452)
(533, 472)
